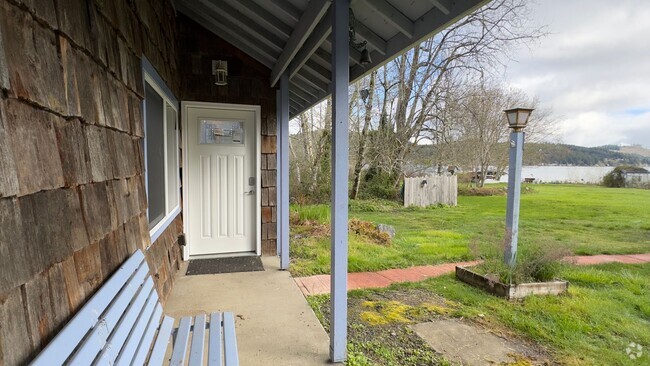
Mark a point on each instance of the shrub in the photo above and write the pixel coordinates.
(373, 205)
(369, 230)
(484, 191)
(539, 263)
(616, 178)
(379, 184)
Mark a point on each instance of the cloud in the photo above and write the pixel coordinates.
(592, 69)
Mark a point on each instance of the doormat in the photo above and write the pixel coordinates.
(224, 265)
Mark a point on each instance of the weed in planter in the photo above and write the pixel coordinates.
(539, 263)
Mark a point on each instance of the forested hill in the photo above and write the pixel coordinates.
(561, 154)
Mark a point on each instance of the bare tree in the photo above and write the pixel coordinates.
(483, 139)
(362, 136)
(420, 78)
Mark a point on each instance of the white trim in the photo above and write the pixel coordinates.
(157, 230)
(185, 105)
(168, 100)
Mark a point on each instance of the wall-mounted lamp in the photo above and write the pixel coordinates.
(220, 72)
(361, 46)
(424, 183)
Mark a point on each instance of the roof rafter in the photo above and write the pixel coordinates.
(400, 21)
(428, 24)
(313, 82)
(317, 70)
(373, 38)
(301, 93)
(315, 11)
(443, 5)
(318, 36)
(286, 8)
(261, 15)
(244, 22)
(229, 32)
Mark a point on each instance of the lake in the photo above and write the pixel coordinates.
(563, 174)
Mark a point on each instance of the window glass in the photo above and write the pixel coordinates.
(173, 174)
(155, 138)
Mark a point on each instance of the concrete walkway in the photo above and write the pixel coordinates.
(320, 284)
(274, 323)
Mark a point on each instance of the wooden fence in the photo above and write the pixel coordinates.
(431, 190)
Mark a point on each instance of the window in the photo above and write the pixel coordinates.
(162, 173)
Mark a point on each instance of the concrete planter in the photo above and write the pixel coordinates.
(511, 292)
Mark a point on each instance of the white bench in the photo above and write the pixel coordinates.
(123, 324)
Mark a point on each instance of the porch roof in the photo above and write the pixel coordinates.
(293, 36)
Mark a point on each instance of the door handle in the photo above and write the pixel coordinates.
(250, 193)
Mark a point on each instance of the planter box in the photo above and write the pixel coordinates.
(511, 292)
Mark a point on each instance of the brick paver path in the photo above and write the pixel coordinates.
(320, 284)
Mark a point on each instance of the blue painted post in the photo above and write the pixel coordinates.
(283, 167)
(278, 170)
(340, 142)
(514, 193)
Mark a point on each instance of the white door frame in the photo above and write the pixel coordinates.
(185, 105)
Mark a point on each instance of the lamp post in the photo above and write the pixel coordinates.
(517, 120)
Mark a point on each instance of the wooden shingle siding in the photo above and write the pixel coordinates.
(72, 190)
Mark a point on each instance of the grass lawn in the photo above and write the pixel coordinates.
(583, 219)
(607, 308)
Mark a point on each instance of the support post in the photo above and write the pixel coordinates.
(283, 169)
(339, 221)
(514, 194)
(278, 171)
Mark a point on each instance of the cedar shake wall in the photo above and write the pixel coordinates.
(248, 83)
(72, 191)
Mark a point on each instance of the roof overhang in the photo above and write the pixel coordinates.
(293, 37)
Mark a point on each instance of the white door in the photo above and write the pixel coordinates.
(221, 180)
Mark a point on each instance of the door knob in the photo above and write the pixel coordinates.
(251, 192)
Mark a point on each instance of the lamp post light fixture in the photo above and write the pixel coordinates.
(517, 120)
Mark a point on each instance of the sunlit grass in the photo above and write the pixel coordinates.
(605, 310)
(585, 219)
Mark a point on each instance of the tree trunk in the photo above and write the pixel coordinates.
(362, 138)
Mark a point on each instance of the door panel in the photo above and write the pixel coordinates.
(222, 160)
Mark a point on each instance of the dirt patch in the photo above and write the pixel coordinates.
(383, 330)
(364, 229)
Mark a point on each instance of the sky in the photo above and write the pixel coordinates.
(592, 69)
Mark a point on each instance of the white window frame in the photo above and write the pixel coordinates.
(172, 209)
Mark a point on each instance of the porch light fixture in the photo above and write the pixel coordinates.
(518, 118)
(220, 72)
(360, 46)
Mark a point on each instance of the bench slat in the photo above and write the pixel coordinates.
(229, 340)
(147, 338)
(132, 342)
(96, 341)
(115, 342)
(198, 341)
(162, 341)
(180, 346)
(214, 347)
(60, 348)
